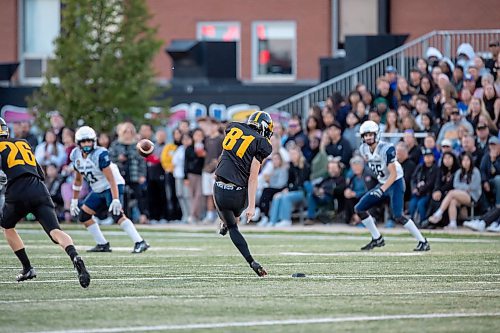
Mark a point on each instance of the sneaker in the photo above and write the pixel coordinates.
(83, 274)
(309, 222)
(493, 227)
(435, 219)
(27, 274)
(258, 269)
(283, 223)
(264, 221)
(477, 225)
(101, 248)
(256, 216)
(223, 229)
(140, 247)
(379, 242)
(422, 246)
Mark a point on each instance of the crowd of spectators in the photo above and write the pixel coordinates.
(443, 119)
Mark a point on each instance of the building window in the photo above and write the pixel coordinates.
(39, 25)
(274, 51)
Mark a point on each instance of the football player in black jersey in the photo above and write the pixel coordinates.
(245, 147)
(26, 193)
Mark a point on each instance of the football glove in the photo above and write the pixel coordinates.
(115, 207)
(378, 193)
(73, 208)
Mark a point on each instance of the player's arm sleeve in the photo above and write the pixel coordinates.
(263, 150)
(104, 160)
(390, 155)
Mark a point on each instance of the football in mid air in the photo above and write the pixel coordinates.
(145, 147)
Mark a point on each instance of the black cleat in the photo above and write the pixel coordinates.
(100, 248)
(258, 269)
(379, 242)
(422, 246)
(27, 274)
(223, 229)
(83, 274)
(140, 247)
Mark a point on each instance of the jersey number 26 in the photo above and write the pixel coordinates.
(234, 136)
(27, 156)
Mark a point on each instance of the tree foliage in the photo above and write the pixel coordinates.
(102, 72)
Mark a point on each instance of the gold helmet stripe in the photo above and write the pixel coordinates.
(258, 115)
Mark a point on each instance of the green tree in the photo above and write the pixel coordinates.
(102, 72)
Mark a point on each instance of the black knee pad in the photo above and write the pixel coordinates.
(84, 216)
(362, 215)
(402, 220)
(117, 218)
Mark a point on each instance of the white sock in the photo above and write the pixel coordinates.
(438, 213)
(370, 224)
(412, 228)
(453, 223)
(96, 232)
(131, 231)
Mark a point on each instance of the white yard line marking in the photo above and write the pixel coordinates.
(272, 277)
(174, 235)
(327, 320)
(147, 297)
(346, 254)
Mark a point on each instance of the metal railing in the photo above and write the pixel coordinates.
(404, 58)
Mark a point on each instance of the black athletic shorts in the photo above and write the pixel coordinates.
(230, 197)
(29, 195)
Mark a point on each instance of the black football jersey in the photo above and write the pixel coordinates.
(240, 145)
(18, 159)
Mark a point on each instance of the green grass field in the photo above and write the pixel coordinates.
(197, 281)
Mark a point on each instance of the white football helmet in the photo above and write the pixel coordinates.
(86, 133)
(369, 126)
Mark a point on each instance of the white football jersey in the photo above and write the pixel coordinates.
(91, 168)
(383, 155)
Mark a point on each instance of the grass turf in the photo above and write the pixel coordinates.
(196, 278)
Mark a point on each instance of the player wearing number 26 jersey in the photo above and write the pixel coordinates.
(27, 193)
(92, 163)
(245, 147)
(381, 158)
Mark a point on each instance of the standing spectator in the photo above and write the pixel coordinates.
(155, 178)
(466, 192)
(50, 151)
(213, 149)
(408, 166)
(57, 124)
(193, 166)
(132, 166)
(495, 51)
(490, 171)
(298, 175)
(181, 190)
(422, 184)
(338, 146)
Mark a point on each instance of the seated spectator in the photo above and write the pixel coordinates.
(490, 172)
(414, 149)
(422, 184)
(314, 143)
(408, 166)
(327, 190)
(391, 127)
(430, 143)
(449, 130)
(361, 181)
(476, 107)
(338, 146)
(488, 222)
(469, 146)
(282, 203)
(53, 181)
(482, 137)
(275, 181)
(320, 161)
(466, 192)
(351, 132)
(429, 125)
(297, 135)
(444, 182)
(50, 151)
(491, 99)
(403, 92)
(361, 111)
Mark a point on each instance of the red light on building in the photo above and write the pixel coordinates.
(208, 31)
(264, 57)
(261, 32)
(232, 34)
